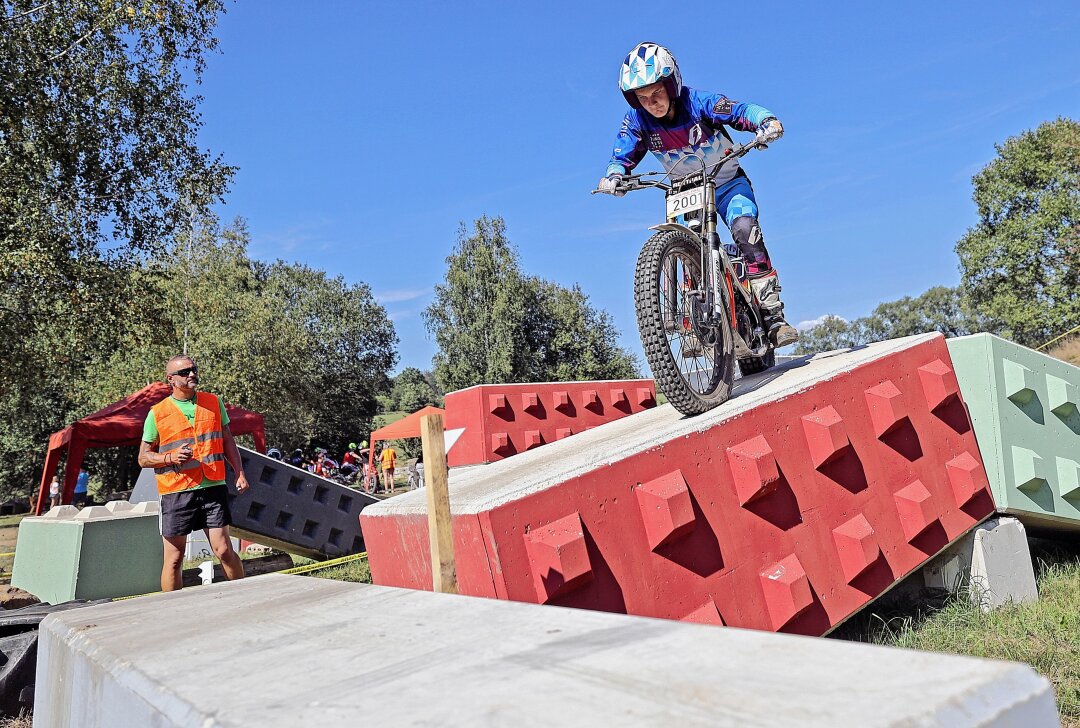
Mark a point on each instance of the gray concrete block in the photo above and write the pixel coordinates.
(437, 659)
(992, 564)
(287, 508)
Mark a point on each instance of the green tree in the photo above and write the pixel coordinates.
(493, 324)
(411, 391)
(99, 166)
(1020, 263)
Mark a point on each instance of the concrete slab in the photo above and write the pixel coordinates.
(992, 564)
(317, 652)
(1023, 404)
(819, 485)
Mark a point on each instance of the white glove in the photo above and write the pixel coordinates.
(769, 132)
(610, 185)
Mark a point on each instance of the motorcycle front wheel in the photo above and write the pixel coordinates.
(693, 367)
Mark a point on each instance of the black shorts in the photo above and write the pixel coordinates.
(193, 510)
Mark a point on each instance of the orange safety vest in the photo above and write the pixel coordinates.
(205, 438)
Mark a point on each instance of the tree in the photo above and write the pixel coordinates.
(495, 325)
(938, 309)
(411, 391)
(99, 166)
(1020, 263)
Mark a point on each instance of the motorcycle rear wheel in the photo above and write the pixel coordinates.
(695, 374)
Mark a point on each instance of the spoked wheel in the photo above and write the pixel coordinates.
(693, 367)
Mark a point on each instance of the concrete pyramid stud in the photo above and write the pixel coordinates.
(500, 444)
(91, 513)
(826, 435)
(787, 591)
(886, 406)
(591, 400)
(856, 546)
(563, 432)
(938, 383)
(915, 506)
(498, 404)
(707, 613)
(146, 507)
(530, 402)
(1068, 479)
(61, 513)
(533, 438)
(116, 507)
(563, 403)
(558, 557)
(666, 509)
(1028, 469)
(966, 477)
(1020, 382)
(1063, 397)
(645, 397)
(619, 398)
(754, 470)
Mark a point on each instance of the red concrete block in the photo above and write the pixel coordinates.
(707, 613)
(665, 508)
(845, 511)
(856, 546)
(787, 590)
(967, 477)
(558, 557)
(916, 507)
(753, 469)
(826, 435)
(886, 406)
(492, 422)
(938, 382)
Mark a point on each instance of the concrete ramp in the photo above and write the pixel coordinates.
(288, 650)
(818, 486)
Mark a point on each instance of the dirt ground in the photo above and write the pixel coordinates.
(9, 533)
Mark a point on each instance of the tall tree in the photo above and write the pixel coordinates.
(1021, 262)
(493, 324)
(412, 391)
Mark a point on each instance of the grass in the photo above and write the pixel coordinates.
(1068, 351)
(354, 571)
(1044, 634)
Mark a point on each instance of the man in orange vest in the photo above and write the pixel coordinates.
(186, 440)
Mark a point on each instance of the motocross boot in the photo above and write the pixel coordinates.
(767, 290)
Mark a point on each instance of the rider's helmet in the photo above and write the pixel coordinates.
(647, 64)
(352, 445)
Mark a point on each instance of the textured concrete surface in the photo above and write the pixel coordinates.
(1024, 408)
(818, 486)
(992, 564)
(288, 651)
(491, 422)
(68, 553)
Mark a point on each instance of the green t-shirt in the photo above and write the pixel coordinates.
(187, 408)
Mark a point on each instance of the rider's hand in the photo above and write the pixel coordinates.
(610, 185)
(769, 132)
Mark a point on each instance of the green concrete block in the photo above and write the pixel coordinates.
(98, 552)
(1023, 405)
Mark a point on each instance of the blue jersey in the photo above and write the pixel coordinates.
(697, 129)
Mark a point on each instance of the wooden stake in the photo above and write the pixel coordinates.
(436, 477)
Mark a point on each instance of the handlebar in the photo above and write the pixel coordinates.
(632, 182)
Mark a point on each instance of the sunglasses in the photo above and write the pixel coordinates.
(185, 372)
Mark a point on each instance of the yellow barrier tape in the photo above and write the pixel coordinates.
(1070, 331)
(3, 555)
(324, 564)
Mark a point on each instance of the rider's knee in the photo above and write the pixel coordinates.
(745, 231)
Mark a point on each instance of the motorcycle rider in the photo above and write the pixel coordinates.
(673, 122)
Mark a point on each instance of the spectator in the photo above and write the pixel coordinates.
(54, 492)
(388, 460)
(297, 459)
(420, 470)
(350, 457)
(81, 484)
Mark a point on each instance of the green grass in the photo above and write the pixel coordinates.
(1044, 634)
(354, 571)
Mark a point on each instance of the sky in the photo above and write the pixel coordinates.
(367, 133)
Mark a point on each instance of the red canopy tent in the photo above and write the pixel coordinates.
(121, 423)
(403, 428)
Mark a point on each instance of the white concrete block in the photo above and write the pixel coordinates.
(146, 507)
(93, 513)
(992, 563)
(326, 653)
(118, 506)
(60, 513)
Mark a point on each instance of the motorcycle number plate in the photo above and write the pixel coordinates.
(686, 201)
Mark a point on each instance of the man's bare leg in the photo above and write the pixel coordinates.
(172, 577)
(230, 560)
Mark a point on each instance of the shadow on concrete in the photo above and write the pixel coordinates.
(904, 439)
(699, 550)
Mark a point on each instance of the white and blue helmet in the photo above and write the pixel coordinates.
(647, 64)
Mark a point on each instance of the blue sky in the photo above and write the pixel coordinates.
(366, 132)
